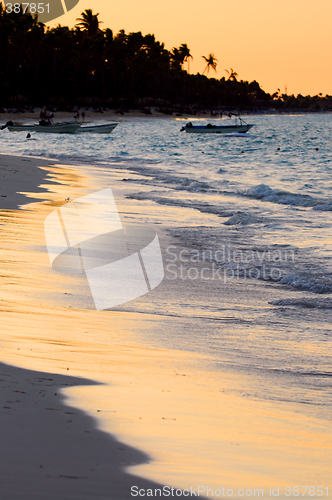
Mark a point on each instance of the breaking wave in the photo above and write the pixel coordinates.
(264, 192)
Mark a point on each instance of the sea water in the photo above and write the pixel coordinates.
(248, 261)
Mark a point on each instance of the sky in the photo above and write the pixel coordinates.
(277, 43)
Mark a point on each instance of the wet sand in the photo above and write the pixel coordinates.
(48, 449)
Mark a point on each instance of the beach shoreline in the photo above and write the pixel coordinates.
(91, 116)
(134, 115)
(48, 448)
(196, 424)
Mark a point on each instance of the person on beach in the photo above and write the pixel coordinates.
(83, 115)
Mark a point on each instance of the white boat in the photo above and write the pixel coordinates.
(216, 129)
(57, 128)
(240, 127)
(106, 128)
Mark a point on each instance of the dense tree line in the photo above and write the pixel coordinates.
(90, 66)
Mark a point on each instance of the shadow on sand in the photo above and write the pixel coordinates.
(51, 451)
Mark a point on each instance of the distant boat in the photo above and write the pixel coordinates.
(241, 128)
(58, 128)
(216, 129)
(106, 128)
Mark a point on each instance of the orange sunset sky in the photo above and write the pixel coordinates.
(277, 43)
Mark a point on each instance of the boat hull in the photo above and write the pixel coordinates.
(98, 129)
(222, 129)
(60, 128)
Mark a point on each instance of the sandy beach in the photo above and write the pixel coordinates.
(49, 449)
(52, 450)
(18, 176)
(73, 377)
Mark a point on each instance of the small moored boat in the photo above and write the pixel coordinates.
(57, 128)
(106, 128)
(241, 128)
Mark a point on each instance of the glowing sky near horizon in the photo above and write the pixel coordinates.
(282, 43)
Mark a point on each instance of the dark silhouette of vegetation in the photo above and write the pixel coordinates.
(89, 22)
(90, 66)
(232, 74)
(180, 56)
(211, 62)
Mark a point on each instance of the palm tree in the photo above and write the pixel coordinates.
(180, 56)
(211, 62)
(185, 54)
(176, 59)
(232, 75)
(89, 22)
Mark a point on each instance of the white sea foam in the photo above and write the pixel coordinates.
(266, 193)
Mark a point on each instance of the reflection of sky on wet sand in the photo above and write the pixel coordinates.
(166, 402)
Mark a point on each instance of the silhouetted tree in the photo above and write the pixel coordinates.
(89, 22)
(232, 75)
(211, 62)
(88, 66)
